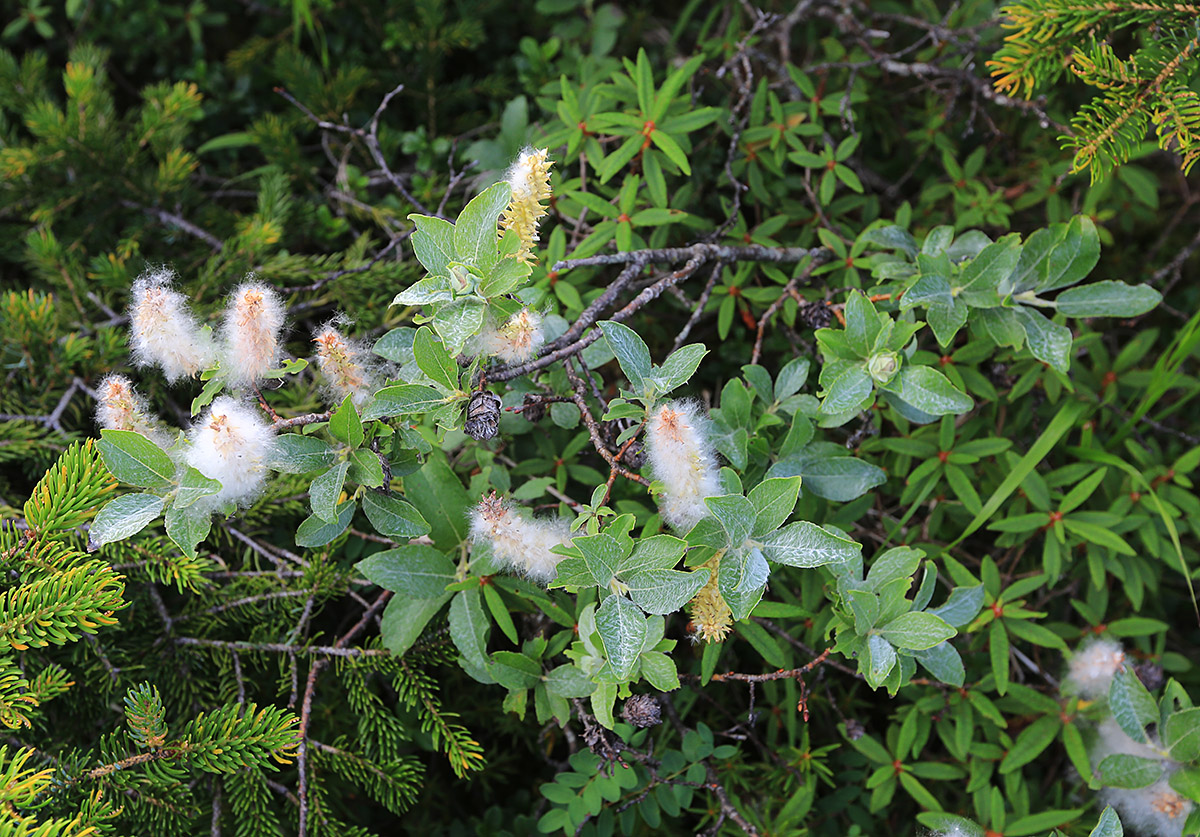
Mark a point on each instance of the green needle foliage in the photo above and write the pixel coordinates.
(1149, 84)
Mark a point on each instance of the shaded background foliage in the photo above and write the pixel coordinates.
(136, 135)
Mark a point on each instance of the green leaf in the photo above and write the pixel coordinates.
(660, 670)
(315, 532)
(848, 391)
(773, 500)
(1030, 744)
(404, 620)
(427, 290)
(1181, 735)
(211, 387)
(735, 514)
(475, 231)
(1098, 535)
(393, 517)
(1074, 257)
(839, 478)
(499, 610)
(672, 149)
(135, 460)
(326, 492)
(413, 571)
(763, 643)
(458, 322)
(947, 320)
(1107, 299)
(514, 671)
(237, 139)
(630, 351)
(644, 79)
(295, 454)
(805, 544)
(664, 591)
(671, 87)
(962, 605)
(657, 552)
(406, 399)
(1122, 770)
(998, 653)
(433, 243)
(186, 527)
(1001, 325)
(1131, 704)
(122, 518)
(345, 425)
(433, 359)
(1062, 422)
(469, 627)
(439, 495)
(508, 275)
(192, 487)
(862, 323)
(892, 238)
(618, 159)
(622, 629)
(365, 468)
(602, 555)
(1109, 824)
(569, 682)
(1048, 341)
(898, 562)
(917, 631)
(1186, 782)
(1137, 626)
(982, 276)
(791, 378)
(930, 289)
(679, 367)
(929, 390)
(1041, 823)
(511, 670)
(741, 578)
(944, 663)
(880, 659)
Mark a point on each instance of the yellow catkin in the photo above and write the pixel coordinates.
(529, 178)
(712, 618)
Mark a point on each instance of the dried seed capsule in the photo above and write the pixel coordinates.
(533, 408)
(1150, 673)
(483, 415)
(635, 456)
(642, 711)
(816, 314)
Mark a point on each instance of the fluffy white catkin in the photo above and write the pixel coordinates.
(522, 543)
(253, 321)
(1154, 811)
(680, 456)
(1090, 671)
(516, 341)
(344, 363)
(162, 330)
(231, 443)
(119, 407)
